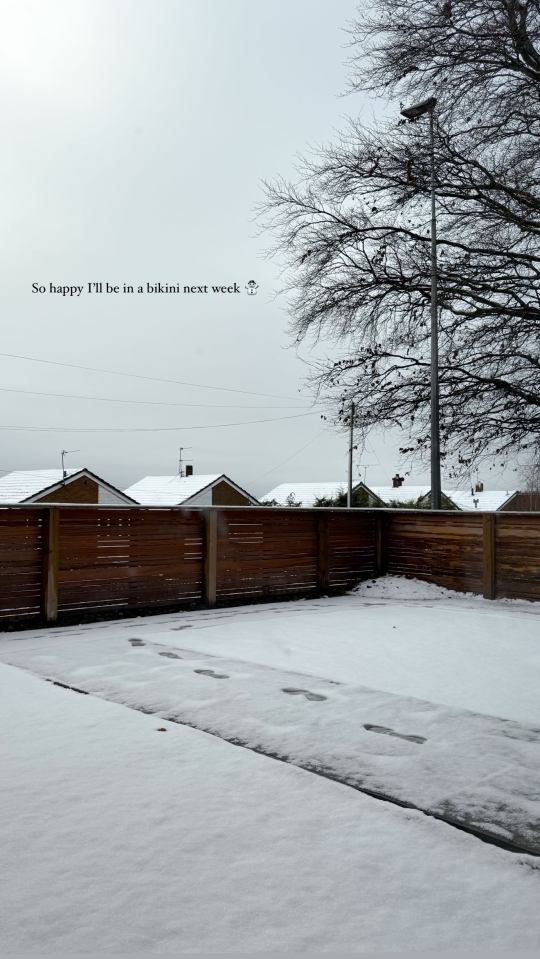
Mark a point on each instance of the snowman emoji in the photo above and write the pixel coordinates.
(252, 287)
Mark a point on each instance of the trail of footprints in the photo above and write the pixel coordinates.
(290, 690)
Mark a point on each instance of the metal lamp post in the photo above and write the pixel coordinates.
(413, 113)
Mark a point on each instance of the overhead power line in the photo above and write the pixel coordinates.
(148, 429)
(141, 376)
(289, 458)
(111, 399)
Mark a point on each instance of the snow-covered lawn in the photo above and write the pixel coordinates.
(117, 837)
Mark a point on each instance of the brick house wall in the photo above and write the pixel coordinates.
(82, 490)
(225, 495)
(523, 503)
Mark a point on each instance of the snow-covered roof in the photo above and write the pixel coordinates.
(18, 486)
(308, 493)
(305, 493)
(169, 490)
(489, 499)
(28, 486)
(400, 494)
(174, 490)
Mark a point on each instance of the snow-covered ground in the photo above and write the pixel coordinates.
(117, 837)
(397, 635)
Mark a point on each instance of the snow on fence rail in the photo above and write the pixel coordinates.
(68, 561)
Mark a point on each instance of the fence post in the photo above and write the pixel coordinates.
(381, 561)
(50, 566)
(210, 557)
(489, 556)
(323, 565)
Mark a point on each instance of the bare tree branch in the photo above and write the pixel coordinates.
(353, 232)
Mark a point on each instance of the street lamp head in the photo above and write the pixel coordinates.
(418, 109)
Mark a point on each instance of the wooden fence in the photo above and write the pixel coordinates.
(72, 562)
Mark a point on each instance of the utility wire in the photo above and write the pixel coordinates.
(147, 429)
(140, 376)
(110, 399)
(289, 458)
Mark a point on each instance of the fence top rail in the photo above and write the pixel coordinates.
(318, 510)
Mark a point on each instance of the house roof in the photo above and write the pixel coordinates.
(174, 490)
(489, 499)
(305, 493)
(23, 486)
(400, 494)
(18, 486)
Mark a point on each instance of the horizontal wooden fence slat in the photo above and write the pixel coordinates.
(64, 561)
(22, 546)
(129, 560)
(517, 571)
(444, 548)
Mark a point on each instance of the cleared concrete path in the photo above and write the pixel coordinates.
(475, 771)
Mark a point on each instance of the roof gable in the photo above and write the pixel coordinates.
(223, 478)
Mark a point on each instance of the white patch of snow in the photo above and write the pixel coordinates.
(119, 838)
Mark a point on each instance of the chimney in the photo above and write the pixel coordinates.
(189, 469)
(479, 488)
(397, 481)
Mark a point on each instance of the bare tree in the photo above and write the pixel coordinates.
(354, 231)
(531, 473)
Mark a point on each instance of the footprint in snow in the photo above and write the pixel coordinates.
(136, 642)
(392, 732)
(304, 692)
(170, 655)
(210, 672)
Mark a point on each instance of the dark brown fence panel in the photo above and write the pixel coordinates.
(517, 556)
(351, 548)
(129, 559)
(442, 548)
(21, 564)
(264, 553)
(94, 547)
(166, 557)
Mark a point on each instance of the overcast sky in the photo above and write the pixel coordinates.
(136, 134)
